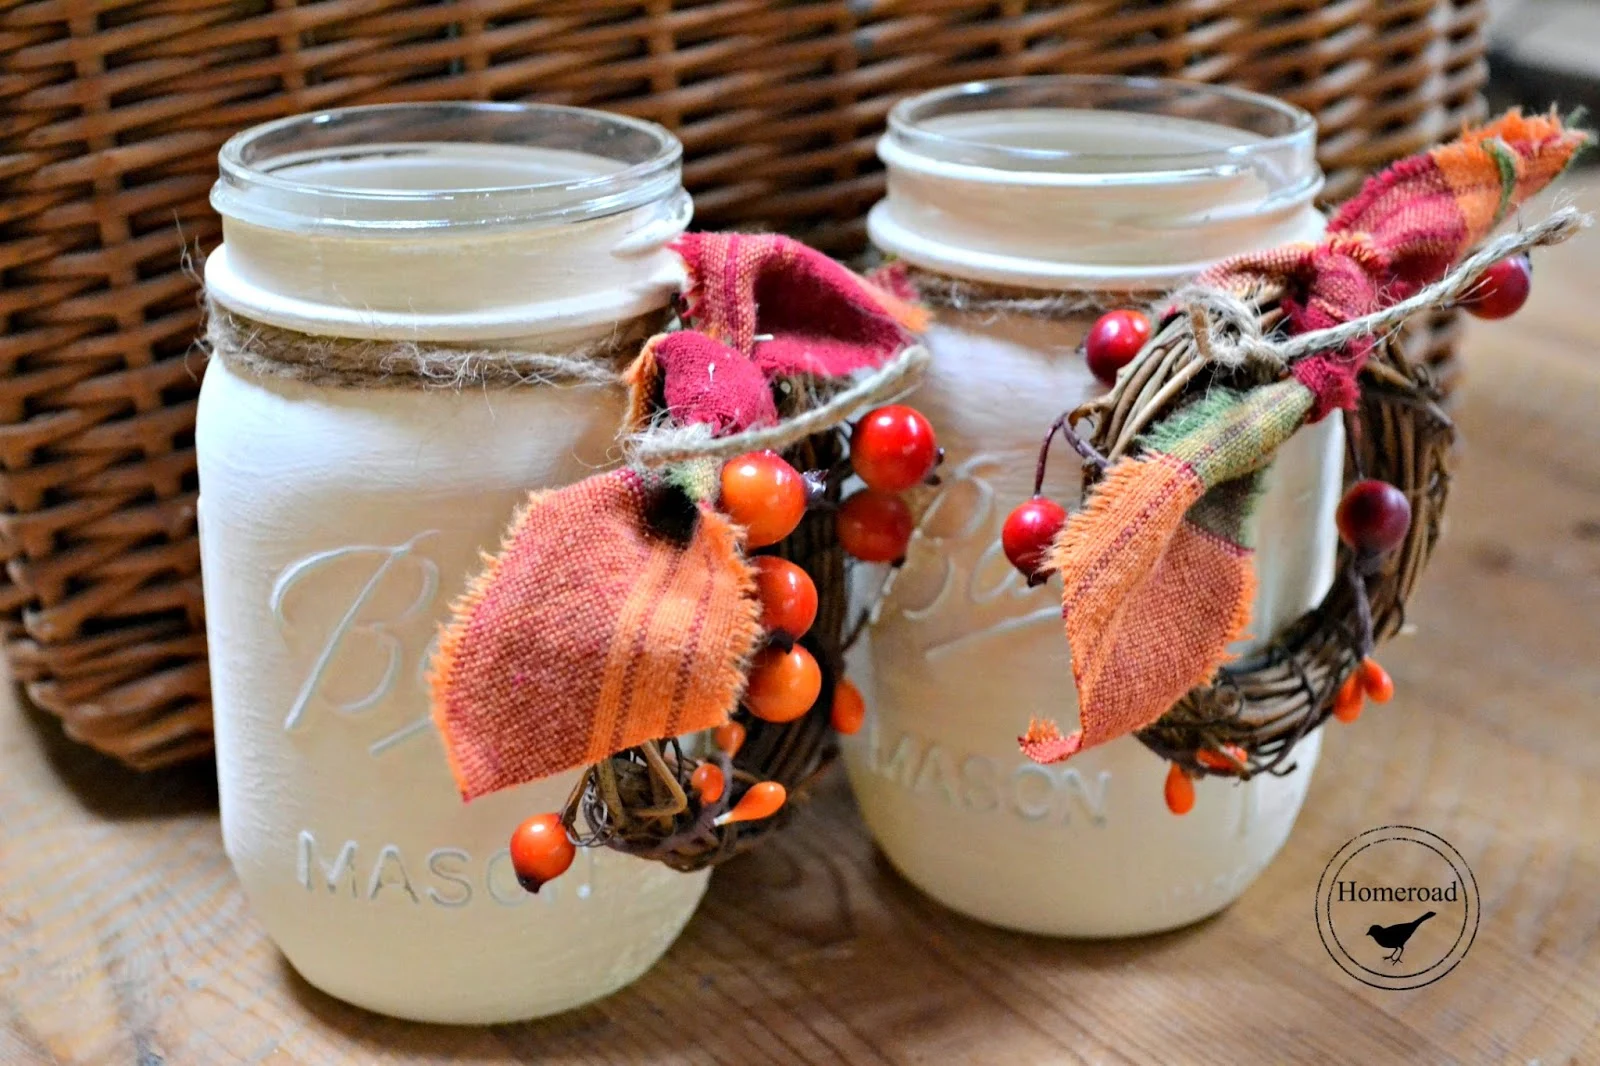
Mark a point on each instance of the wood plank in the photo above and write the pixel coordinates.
(126, 940)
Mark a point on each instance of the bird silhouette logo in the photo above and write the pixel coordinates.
(1394, 937)
(1411, 894)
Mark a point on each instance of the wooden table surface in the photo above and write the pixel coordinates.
(124, 938)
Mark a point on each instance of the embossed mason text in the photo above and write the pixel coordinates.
(983, 784)
(442, 877)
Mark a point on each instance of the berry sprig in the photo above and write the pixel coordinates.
(768, 497)
(1373, 519)
(541, 851)
(849, 709)
(892, 449)
(1501, 290)
(1113, 341)
(1031, 528)
(784, 684)
(708, 782)
(1028, 532)
(875, 527)
(1368, 680)
(765, 495)
(1179, 790)
(762, 800)
(788, 597)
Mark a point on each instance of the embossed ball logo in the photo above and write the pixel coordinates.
(1397, 907)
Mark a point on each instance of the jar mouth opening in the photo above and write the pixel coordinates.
(405, 167)
(947, 125)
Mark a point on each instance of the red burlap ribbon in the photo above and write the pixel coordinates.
(762, 308)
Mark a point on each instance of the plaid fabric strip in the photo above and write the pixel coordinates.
(588, 634)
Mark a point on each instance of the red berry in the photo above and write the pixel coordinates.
(788, 596)
(875, 527)
(765, 495)
(1113, 341)
(541, 851)
(1373, 516)
(1029, 531)
(783, 684)
(849, 709)
(893, 449)
(1179, 791)
(1501, 290)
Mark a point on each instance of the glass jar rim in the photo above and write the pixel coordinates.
(1296, 129)
(250, 186)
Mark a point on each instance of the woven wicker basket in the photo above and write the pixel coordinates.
(113, 113)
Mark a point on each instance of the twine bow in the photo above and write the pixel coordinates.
(1228, 329)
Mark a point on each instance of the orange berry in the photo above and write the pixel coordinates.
(875, 527)
(1347, 704)
(541, 851)
(849, 709)
(729, 737)
(1376, 680)
(783, 684)
(762, 801)
(1228, 759)
(765, 495)
(708, 781)
(1179, 791)
(788, 596)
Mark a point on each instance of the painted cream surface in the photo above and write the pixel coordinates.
(964, 654)
(336, 527)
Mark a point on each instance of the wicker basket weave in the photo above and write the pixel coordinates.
(113, 113)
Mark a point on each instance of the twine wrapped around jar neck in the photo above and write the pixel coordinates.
(342, 362)
(353, 363)
(1227, 327)
(946, 292)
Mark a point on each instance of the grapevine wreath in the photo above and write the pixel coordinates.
(1156, 567)
(701, 586)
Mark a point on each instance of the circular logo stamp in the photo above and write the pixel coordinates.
(1397, 907)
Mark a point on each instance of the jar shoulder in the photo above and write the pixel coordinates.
(262, 431)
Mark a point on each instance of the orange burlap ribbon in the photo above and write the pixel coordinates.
(590, 633)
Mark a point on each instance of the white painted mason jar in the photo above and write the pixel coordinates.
(338, 524)
(1086, 189)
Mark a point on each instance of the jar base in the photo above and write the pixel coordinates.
(1094, 855)
(476, 1014)
(436, 1003)
(1076, 927)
